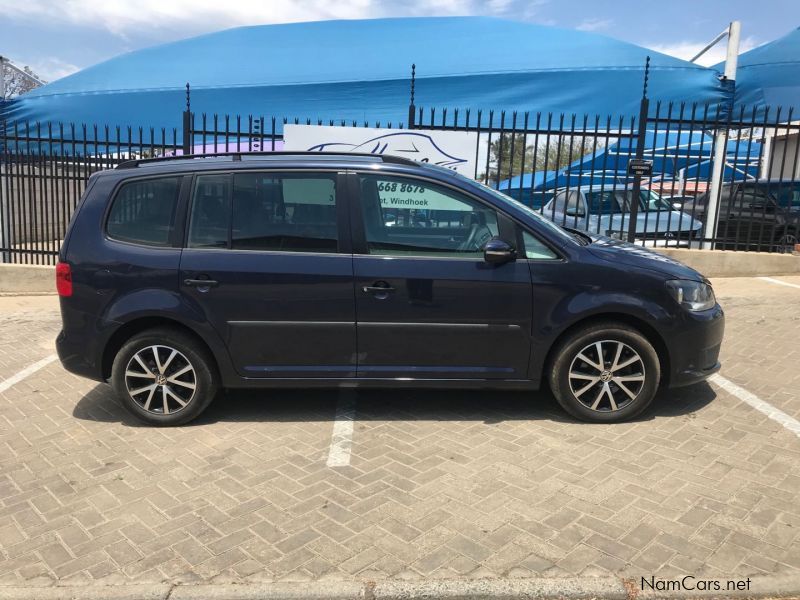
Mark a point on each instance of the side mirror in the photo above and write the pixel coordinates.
(573, 212)
(498, 251)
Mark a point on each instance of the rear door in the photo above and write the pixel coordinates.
(428, 306)
(267, 261)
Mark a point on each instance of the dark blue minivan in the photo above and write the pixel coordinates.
(180, 276)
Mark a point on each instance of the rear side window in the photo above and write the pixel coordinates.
(211, 209)
(284, 212)
(143, 211)
(265, 211)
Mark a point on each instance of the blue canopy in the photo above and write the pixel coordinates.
(770, 76)
(360, 70)
(673, 155)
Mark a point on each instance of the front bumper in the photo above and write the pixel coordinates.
(694, 349)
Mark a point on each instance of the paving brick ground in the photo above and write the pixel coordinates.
(466, 484)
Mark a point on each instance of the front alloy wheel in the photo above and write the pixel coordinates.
(606, 375)
(604, 372)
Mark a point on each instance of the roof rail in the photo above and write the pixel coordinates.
(237, 156)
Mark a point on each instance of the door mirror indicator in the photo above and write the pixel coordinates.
(498, 251)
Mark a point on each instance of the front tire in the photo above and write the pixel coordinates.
(164, 377)
(605, 373)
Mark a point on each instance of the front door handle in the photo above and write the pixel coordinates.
(380, 290)
(200, 283)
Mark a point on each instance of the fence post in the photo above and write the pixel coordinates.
(412, 110)
(644, 108)
(187, 125)
(5, 222)
(720, 151)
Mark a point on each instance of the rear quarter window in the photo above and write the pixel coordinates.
(143, 211)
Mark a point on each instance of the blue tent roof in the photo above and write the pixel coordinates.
(670, 153)
(360, 70)
(770, 75)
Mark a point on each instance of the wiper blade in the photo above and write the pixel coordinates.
(582, 238)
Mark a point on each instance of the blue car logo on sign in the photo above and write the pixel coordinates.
(416, 146)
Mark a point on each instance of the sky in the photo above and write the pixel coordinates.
(58, 37)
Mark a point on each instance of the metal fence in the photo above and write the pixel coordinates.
(674, 175)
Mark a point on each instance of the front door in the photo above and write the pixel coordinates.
(267, 262)
(427, 304)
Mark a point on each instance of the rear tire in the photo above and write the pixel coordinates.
(164, 377)
(605, 373)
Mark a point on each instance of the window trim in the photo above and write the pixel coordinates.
(174, 238)
(342, 209)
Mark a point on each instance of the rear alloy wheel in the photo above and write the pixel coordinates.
(605, 373)
(164, 377)
(161, 380)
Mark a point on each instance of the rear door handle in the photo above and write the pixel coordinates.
(200, 283)
(376, 289)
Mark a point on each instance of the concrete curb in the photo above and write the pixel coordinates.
(726, 263)
(23, 279)
(608, 588)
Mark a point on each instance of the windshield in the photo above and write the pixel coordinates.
(787, 194)
(519, 205)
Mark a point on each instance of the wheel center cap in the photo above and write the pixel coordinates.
(161, 380)
(605, 376)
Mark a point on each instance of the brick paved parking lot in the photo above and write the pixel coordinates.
(439, 485)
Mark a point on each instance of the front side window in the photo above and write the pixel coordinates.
(535, 249)
(414, 217)
(604, 202)
(756, 197)
(265, 211)
(652, 201)
(143, 211)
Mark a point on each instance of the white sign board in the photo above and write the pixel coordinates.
(450, 149)
(399, 194)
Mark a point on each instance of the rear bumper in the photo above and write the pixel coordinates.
(76, 358)
(695, 348)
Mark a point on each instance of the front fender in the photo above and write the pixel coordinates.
(567, 294)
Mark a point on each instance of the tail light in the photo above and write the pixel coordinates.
(64, 279)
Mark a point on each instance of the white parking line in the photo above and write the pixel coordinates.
(779, 282)
(773, 413)
(26, 372)
(342, 435)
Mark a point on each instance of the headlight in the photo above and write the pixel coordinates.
(692, 295)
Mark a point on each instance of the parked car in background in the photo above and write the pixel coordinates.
(607, 212)
(755, 215)
(181, 276)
